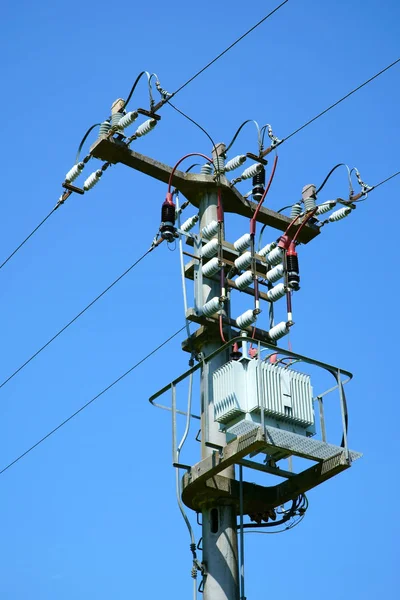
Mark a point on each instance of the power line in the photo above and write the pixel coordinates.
(385, 180)
(82, 408)
(75, 318)
(341, 100)
(228, 48)
(26, 239)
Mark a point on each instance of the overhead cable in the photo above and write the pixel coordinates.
(26, 239)
(82, 408)
(228, 48)
(340, 100)
(76, 317)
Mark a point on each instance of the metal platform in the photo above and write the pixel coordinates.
(202, 485)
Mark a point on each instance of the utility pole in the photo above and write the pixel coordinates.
(220, 549)
(276, 419)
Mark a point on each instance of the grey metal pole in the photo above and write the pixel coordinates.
(220, 548)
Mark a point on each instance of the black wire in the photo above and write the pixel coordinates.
(341, 100)
(194, 123)
(50, 433)
(328, 176)
(229, 48)
(74, 319)
(26, 239)
(84, 140)
(385, 180)
(229, 146)
(133, 88)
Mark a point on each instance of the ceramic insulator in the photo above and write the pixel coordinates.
(235, 162)
(243, 242)
(210, 230)
(246, 319)
(210, 249)
(211, 268)
(340, 214)
(74, 172)
(244, 280)
(276, 292)
(278, 331)
(267, 249)
(275, 273)
(243, 261)
(274, 257)
(212, 306)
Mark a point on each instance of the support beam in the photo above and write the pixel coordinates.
(194, 186)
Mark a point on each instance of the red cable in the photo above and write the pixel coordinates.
(181, 160)
(304, 223)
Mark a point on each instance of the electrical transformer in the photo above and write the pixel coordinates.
(244, 388)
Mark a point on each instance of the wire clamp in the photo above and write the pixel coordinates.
(365, 188)
(165, 95)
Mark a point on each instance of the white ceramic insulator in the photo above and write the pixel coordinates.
(340, 214)
(210, 249)
(246, 319)
(278, 331)
(145, 127)
(92, 180)
(267, 249)
(296, 210)
(210, 230)
(325, 207)
(127, 119)
(274, 257)
(74, 172)
(275, 273)
(276, 293)
(243, 261)
(189, 223)
(244, 280)
(212, 306)
(243, 242)
(252, 171)
(235, 162)
(211, 268)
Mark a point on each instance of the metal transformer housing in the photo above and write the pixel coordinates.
(243, 389)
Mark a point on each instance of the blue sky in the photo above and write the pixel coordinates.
(92, 511)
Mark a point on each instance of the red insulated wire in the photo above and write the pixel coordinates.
(221, 330)
(271, 178)
(312, 213)
(181, 160)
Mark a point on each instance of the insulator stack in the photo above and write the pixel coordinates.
(235, 162)
(246, 319)
(211, 268)
(115, 119)
(309, 196)
(296, 210)
(210, 230)
(275, 273)
(206, 169)
(243, 242)
(104, 129)
(243, 261)
(189, 223)
(274, 257)
(74, 172)
(127, 120)
(219, 164)
(276, 292)
(212, 306)
(340, 214)
(244, 280)
(278, 331)
(210, 249)
(292, 263)
(267, 249)
(252, 171)
(92, 180)
(145, 127)
(325, 207)
(258, 185)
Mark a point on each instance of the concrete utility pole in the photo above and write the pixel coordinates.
(220, 550)
(209, 486)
